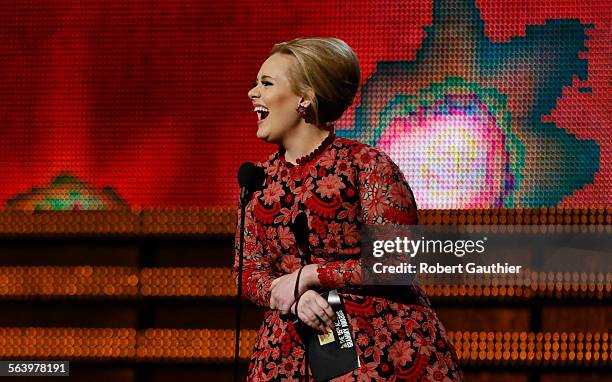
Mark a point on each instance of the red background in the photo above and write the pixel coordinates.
(150, 97)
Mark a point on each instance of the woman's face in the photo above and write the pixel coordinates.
(274, 101)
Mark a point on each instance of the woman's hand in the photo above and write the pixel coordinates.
(282, 289)
(315, 311)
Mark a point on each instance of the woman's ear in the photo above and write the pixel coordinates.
(307, 98)
(305, 109)
(304, 103)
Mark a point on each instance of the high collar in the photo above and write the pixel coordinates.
(310, 156)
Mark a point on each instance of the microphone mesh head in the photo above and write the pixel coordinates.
(245, 174)
(250, 176)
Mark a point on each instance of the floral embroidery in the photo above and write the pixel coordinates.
(272, 193)
(330, 186)
(285, 237)
(340, 186)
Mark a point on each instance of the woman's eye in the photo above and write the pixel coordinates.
(265, 83)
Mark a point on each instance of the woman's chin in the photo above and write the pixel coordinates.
(263, 133)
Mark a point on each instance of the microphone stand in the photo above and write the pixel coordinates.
(306, 252)
(243, 203)
(300, 231)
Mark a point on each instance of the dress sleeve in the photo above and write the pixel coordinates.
(385, 198)
(256, 270)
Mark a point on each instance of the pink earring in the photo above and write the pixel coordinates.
(302, 111)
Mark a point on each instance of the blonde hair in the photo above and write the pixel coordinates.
(327, 67)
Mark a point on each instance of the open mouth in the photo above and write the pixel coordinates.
(262, 112)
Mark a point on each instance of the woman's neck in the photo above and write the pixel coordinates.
(304, 141)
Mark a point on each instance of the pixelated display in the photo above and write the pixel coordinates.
(482, 104)
(455, 144)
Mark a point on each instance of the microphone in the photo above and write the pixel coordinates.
(250, 178)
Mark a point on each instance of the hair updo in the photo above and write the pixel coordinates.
(329, 68)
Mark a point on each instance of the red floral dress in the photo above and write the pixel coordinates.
(339, 186)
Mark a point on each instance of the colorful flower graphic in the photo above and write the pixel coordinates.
(465, 120)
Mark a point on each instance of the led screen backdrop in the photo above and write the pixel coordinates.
(491, 103)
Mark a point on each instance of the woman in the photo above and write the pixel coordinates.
(339, 184)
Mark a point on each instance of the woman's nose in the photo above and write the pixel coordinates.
(253, 92)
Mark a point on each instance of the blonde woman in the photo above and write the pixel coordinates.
(339, 184)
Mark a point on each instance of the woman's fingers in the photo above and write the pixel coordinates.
(315, 316)
(272, 302)
(327, 313)
(315, 312)
(312, 321)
